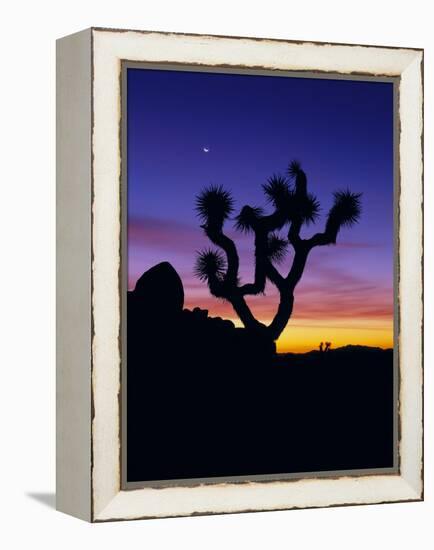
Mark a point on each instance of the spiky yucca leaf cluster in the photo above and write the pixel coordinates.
(277, 191)
(296, 202)
(294, 168)
(276, 248)
(214, 205)
(309, 208)
(346, 208)
(209, 263)
(296, 173)
(246, 219)
(344, 212)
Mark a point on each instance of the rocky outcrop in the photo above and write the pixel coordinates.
(155, 310)
(160, 291)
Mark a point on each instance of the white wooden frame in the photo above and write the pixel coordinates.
(88, 264)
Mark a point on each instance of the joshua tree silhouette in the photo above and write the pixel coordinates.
(293, 207)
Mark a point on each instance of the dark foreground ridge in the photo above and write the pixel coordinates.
(206, 399)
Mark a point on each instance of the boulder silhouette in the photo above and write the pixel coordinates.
(160, 291)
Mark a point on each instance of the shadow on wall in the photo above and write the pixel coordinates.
(47, 499)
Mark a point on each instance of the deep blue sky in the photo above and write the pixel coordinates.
(340, 130)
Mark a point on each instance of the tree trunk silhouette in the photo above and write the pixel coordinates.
(283, 314)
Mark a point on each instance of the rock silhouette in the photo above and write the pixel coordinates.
(207, 399)
(161, 291)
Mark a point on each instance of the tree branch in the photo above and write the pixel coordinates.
(320, 239)
(294, 233)
(258, 285)
(216, 235)
(297, 268)
(244, 313)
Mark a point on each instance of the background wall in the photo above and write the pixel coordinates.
(27, 386)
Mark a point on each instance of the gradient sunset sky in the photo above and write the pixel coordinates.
(342, 133)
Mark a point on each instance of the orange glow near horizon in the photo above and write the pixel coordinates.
(364, 320)
(306, 335)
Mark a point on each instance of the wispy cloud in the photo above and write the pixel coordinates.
(349, 244)
(162, 234)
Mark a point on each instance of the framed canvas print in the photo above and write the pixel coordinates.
(239, 267)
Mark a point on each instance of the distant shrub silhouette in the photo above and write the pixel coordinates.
(325, 346)
(293, 206)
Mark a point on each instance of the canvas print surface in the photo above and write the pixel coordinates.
(259, 275)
